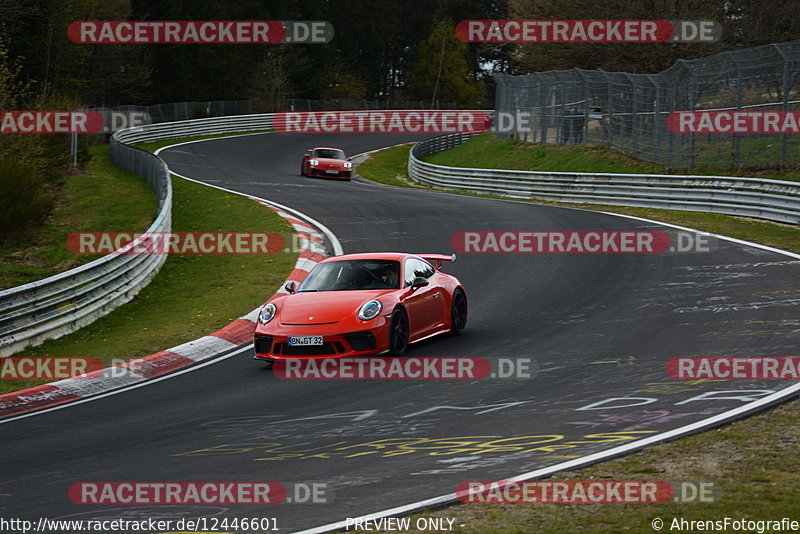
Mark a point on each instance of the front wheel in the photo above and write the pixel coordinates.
(458, 313)
(398, 333)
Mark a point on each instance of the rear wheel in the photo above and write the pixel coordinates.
(398, 333)
(458, 313)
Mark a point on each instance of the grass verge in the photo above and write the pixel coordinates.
(389, 167)
(488, 152)
(754, 461)
(192, 295)
(81, 206)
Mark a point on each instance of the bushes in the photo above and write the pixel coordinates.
(25, 199)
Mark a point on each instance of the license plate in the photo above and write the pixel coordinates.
(332, 172)
(305, 341)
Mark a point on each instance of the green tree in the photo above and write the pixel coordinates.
(628, 57)
(757, 22)
(440, 72)
(276, 76)
(24, 198)
(343, 84)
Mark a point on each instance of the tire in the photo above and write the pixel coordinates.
(302, 170)
(458, 313)
(398, 333)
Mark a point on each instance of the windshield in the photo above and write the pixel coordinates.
(349, 275)
(330, 153)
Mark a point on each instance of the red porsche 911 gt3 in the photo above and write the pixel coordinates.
(358, 304)
(326, 163)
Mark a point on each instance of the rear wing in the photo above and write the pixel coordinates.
(437, 259)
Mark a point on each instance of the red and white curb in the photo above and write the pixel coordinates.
(236, 334)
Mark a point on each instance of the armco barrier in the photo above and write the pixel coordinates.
(774, 200)
(60, 304)
(189, 128)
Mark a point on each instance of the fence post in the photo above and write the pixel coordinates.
(692, 107)
(787, 81)
(737, 144)
(610, 110)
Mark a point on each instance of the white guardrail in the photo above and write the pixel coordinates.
(774, 200)
(60, 304)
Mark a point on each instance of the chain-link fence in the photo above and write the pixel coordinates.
(179, 111)
(348, 104)
(629, 112)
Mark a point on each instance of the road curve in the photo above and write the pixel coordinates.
(599, 327)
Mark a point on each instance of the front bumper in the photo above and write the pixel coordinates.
(272, 344)
(323, 173)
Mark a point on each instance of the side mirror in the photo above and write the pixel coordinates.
(419, 281)
(291, 287)
(350, 158)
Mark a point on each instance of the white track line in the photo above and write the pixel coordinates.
(123, 389)
(337, 246)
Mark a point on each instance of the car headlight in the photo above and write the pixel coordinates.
(314, 162)
(370, 310)
(267, 313)
(347, 164)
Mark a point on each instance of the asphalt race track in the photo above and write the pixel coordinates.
(599, 327)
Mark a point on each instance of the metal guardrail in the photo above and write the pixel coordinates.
(63, 303)
(208, 126)
(773, 200)
(60, 304)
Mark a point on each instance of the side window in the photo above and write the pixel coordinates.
(415, 268)
(424, 269)
(409, 273)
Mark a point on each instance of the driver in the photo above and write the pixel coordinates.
(389, 275)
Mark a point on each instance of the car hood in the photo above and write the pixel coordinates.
(323, 307)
